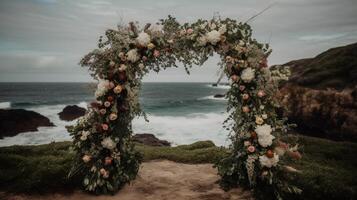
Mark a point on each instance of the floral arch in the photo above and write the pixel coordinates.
(105, 155)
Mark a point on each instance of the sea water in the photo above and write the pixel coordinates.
(181, 113)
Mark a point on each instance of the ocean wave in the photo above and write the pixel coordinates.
(5, 105)
(176, 129)
(83, 104)
(185, 129)
(211, 97)
(219, 86)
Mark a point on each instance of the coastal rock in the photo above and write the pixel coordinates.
(70, 113)
(150, 140)
(14, 121)
(219, 96)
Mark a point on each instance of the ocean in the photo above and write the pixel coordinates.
(181, 113)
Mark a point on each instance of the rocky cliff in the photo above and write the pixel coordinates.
(321, 94)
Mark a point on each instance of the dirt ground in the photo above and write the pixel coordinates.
(161, 180)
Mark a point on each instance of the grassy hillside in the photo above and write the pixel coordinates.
(335, 68)
(329, 168)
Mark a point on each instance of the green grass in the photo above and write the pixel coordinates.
(329, 169)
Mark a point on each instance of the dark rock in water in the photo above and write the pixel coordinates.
(219, 95)
(70, 113)
(150, 140)
(14, 121)
(214, 84)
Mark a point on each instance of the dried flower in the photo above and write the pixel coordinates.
(259, 120)
(117, 89)
(113, 116)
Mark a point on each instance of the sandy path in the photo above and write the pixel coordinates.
(162, 180)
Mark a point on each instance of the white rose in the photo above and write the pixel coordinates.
(108, 143)
(266, 141)
(269, 162)
(132, 55)
(213, 37)
(265, 138)
(102, 88)
(143, 39)
(248, 75)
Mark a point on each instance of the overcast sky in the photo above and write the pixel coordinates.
(43, 40)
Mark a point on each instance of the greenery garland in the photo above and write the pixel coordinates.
(102, 138)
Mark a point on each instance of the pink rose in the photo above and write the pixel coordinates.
(156, 53)
(105, 127)
(189, 31)
(251, 149)
(261, 93)
(102, 111)
(107, 104)
(241, 87)
(234, 78)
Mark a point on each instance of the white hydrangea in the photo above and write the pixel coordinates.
(108, 143)
(265, 138)
(143, 39)
(269, 162)
(102, 88)
(133, 55)
(213, 37)
(248, 75)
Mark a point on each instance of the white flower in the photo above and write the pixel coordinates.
(202, 41)
(222, 29)
(266, 141)
(143, 39)
(156, 28)
(213, 37)
(141, 66)
(84, 135)
(248, 75)
(102, 88)
(108, 143)
(265, 138)
(264, 116)
(133, 55)
(269, 162)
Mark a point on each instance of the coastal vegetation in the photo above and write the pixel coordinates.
(327, 169)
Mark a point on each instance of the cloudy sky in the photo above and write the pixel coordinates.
(43, 40)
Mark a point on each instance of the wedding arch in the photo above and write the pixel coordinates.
(105, 154)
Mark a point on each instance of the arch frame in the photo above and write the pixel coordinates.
(105, 156)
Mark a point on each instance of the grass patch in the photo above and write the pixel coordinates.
(329, 167)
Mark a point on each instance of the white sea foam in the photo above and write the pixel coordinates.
(44, 134)
(176, 129)
(219, 86)
(5, 105)
(83, 104)
(185, 129)
(211, 97)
